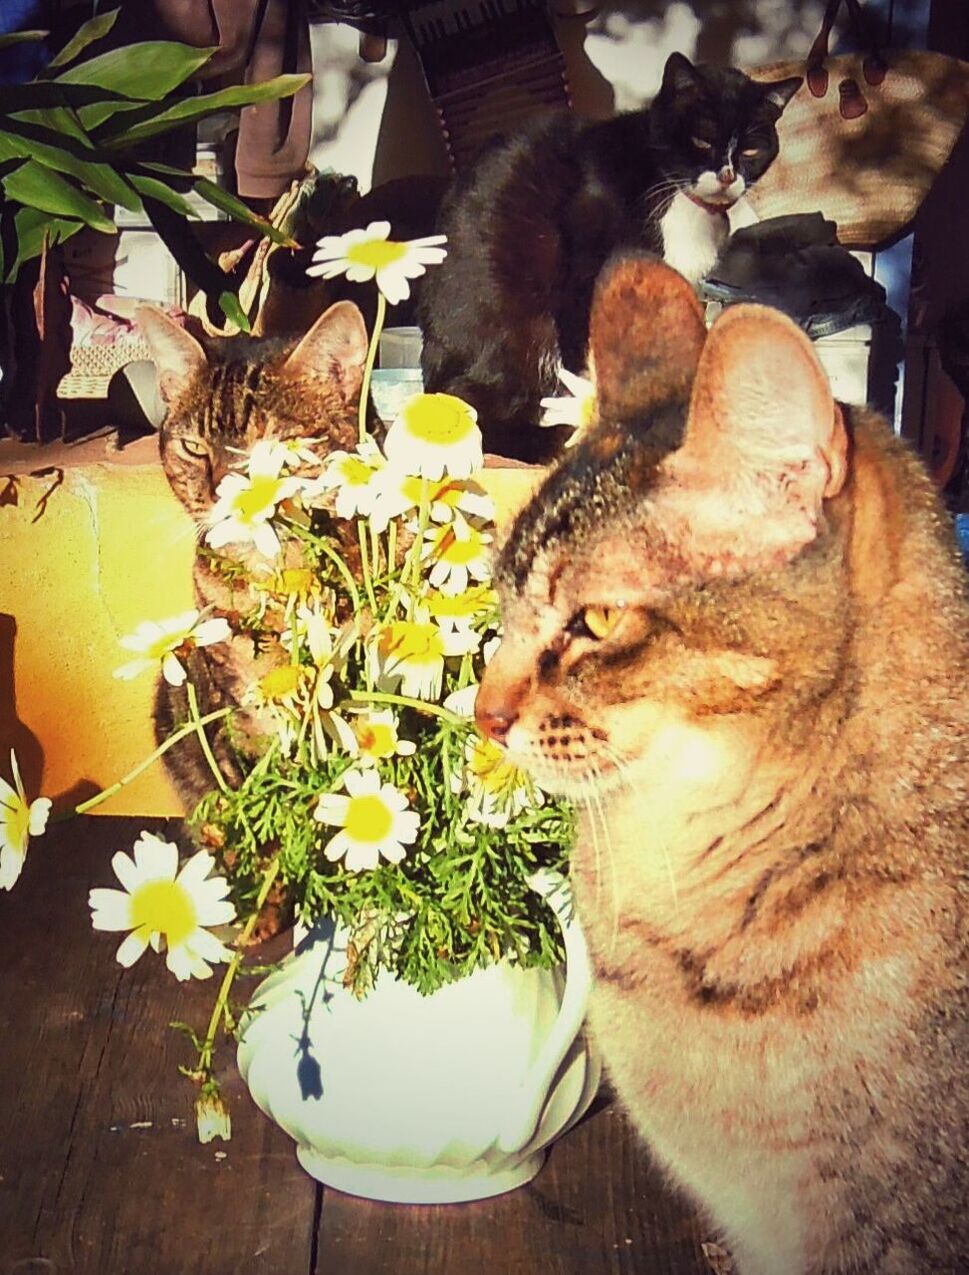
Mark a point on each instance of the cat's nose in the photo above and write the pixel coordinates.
(494, 711)
(726, 176)
(494, 722)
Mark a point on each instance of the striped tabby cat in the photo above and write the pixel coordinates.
(222, 399)
(735, 621)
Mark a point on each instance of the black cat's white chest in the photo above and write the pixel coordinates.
(692, 237)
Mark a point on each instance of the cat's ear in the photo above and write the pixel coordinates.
(780, 92)
(176, 353)
(679, 74)
(334, 349)
(765, 443)
(646, 333)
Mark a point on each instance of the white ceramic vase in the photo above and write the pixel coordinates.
(423, 1099)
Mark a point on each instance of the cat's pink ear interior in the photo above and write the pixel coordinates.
(646, 333)
(176, 353)
(334, 349)
(765, 441)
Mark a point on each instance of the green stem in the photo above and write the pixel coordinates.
(405, 701)
(329, 552)
(411, 570)
(189, 729)
(378, 324)
(193, 711)
(365, 565)
(222, 1000)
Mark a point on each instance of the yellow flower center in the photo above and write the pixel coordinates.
(376, 253)
(587, 409)
(376, 739)
(461, 605)
(16, 822)
(440, 419)
(164, 907)
(491, 770)
(355, 472)
(458, 552)
(447, 492)
(294, 580)
(410, 642)
(368, 819)
(258, 499)
(280, 682)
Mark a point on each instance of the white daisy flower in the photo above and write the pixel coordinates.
(244, 506)
(435, 434)
(374, 820)
(497, 790)
(458, 553)
(377, 739)
(410, 654)
(576, 409)
(352, 475)
(372, 254)
(19, 821)
(165, 908)
(454, 611)
(395, 493)
(162, 641)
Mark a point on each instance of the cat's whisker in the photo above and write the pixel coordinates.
(586, 792)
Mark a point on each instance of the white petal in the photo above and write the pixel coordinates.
(172, 671)
(407, 826)
(393, 284)
(206, 946)
(39, 814)
(332, 808)
(362, 783)
(215, 911)
(182, 963)
(125, 870)
(155, 859)
(110, 909)
(194, 871)
(392, 851)
(209, 631)
(131, 948)
(337, 847)
(361, 858)
(11, 865)
(266, 540)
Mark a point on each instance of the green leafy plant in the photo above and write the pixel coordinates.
(72, 145)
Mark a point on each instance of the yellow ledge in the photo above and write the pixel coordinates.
(93, 542)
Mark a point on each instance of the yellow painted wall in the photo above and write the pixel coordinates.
(90, 545)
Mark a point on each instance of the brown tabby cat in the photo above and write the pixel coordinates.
(222, 399)
(735, 621)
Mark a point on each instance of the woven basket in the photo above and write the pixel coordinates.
(92, 367)
(870, 174)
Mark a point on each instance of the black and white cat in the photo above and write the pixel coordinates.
(530, 227)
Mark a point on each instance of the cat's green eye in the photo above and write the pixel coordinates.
(701, 143)
(599, 622)
(193, 447)
(750, 152)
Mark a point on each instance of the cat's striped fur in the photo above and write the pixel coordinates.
(735, 622)
(222, 399)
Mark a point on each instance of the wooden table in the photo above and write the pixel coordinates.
(101, 1170)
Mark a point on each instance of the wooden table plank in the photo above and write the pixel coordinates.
(101, 1171)
(596, 1208)
(100, 1165)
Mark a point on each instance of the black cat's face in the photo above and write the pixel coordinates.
(714, 129)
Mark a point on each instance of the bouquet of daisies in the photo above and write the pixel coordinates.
(374, 801)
